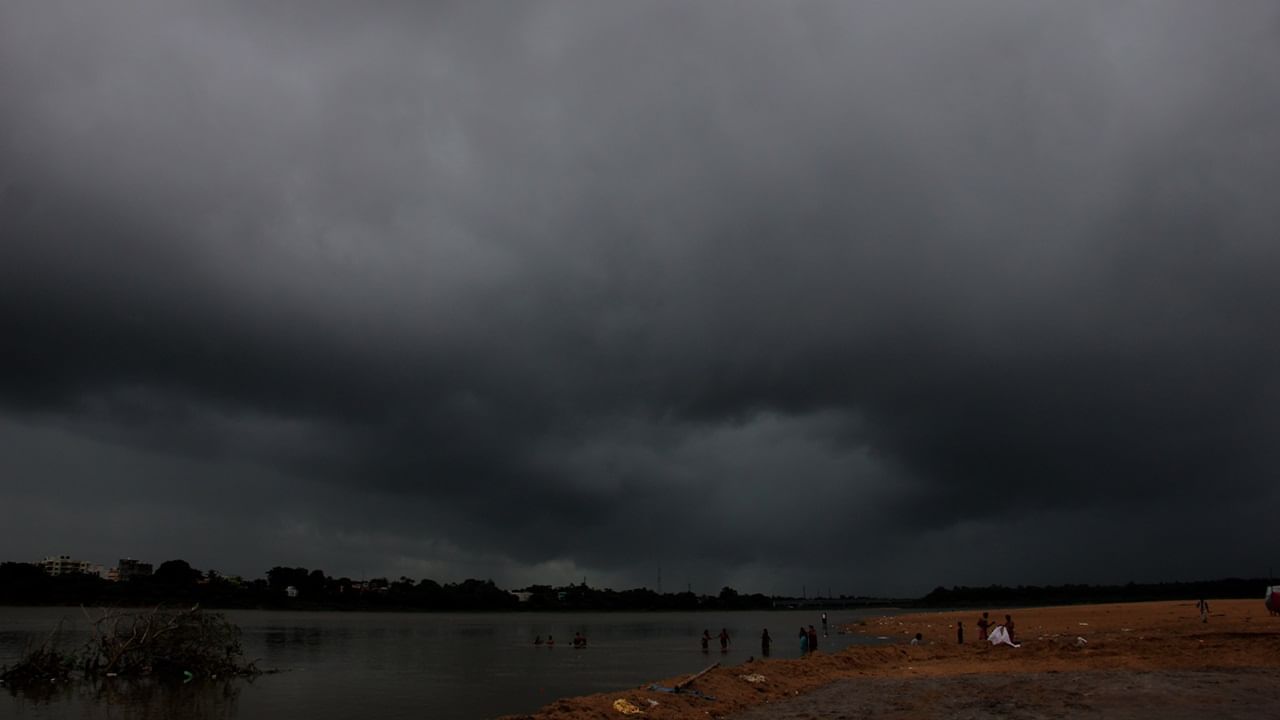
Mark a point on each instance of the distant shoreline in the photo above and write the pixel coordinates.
(305, 608)
(297, 589)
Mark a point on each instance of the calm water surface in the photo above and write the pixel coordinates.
(415, 665)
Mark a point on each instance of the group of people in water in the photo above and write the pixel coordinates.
(579, 640)
(809, 636)
(808, 639)
(724, 640)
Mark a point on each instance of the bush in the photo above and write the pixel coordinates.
(43, 664)
(166, 644)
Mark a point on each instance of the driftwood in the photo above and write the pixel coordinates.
(165, 642)
(689, 680)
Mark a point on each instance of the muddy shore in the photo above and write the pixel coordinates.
(1136, 660)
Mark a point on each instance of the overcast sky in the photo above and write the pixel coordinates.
(860, 296)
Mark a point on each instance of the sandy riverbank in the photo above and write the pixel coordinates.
(1127, 646)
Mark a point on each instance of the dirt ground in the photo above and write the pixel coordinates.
(1111, 694)
(1140, 660)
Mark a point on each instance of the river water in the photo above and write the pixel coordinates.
(413, 665)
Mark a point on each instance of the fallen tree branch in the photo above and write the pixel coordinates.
(689, 680)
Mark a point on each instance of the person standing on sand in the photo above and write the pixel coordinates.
(724, 640)
(706, 640)
(824, 625)
(959, 632)
(1008, 625)
(804, 642)
(1203, 607)
(983, 624)
(765, 641)
(551, 642)
(813, 639)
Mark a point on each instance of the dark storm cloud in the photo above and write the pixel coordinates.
(763, 294)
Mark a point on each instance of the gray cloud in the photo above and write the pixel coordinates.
(849, 296)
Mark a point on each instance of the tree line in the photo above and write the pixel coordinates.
(1001, 595)
(176, 581)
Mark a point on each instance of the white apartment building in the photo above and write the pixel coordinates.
(64, 565)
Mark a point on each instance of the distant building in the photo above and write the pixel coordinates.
(291, 591)
(55, 565)
(130, 568)
(376, 585)
(522, 596)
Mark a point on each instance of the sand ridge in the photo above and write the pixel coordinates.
(1131, 637)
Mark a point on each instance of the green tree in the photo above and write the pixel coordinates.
(176, 573)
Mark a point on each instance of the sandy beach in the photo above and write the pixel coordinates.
(1139, 660)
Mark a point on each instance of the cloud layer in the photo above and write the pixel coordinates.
(865, 297)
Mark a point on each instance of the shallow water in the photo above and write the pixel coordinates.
(414, 665)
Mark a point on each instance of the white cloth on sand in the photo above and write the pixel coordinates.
(1000, 636)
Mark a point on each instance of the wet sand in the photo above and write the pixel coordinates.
(1140, 660)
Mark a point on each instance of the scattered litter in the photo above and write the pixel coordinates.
(1084, 624)
(653, 703)
(753, 678)
(626, 707)
(1126, 629)
(1000, 636)
(1081, 642)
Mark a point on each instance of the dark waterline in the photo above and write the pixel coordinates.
(414, 665)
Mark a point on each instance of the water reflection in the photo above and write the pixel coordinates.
(296, 635)
(139, 698)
